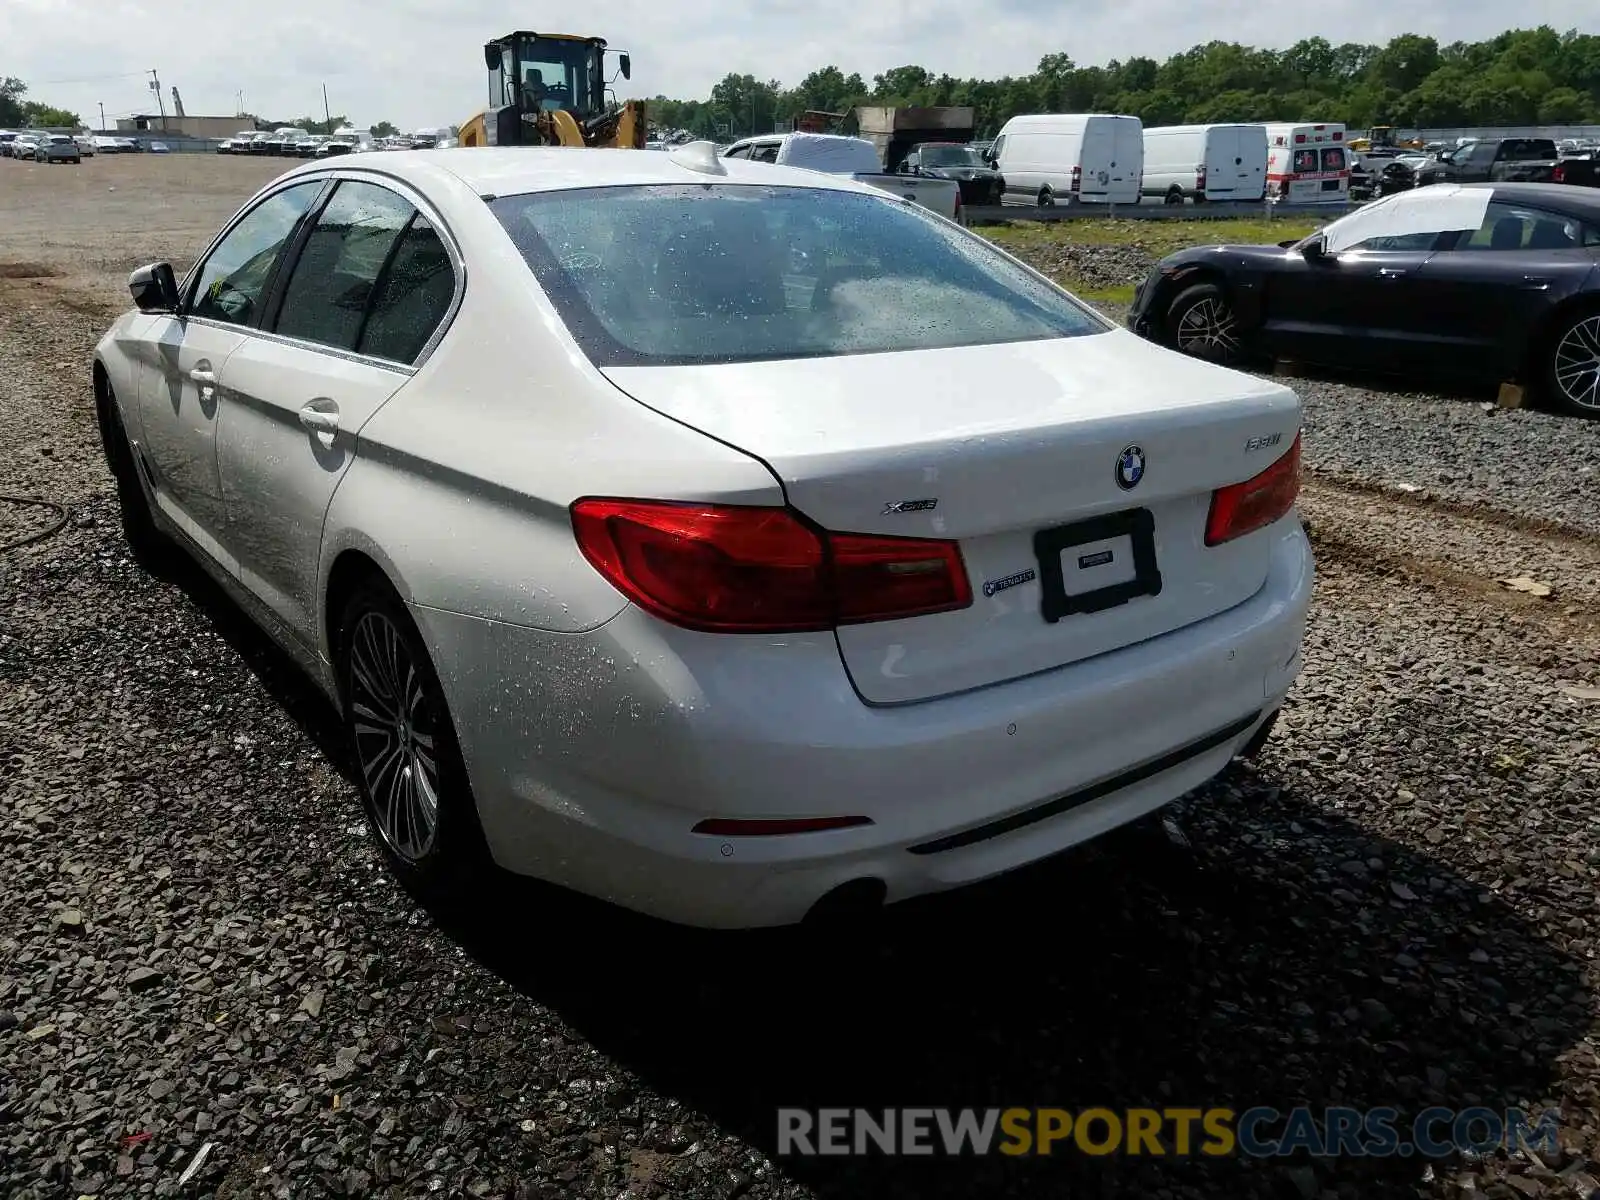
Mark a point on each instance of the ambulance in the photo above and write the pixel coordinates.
(1308, 164)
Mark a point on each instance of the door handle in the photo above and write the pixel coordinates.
(204, 376)
(320, 416)
(1535, 283)
(1391, 273)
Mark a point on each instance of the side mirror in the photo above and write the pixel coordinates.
(626, 64)
(1314, 249)
(154, 288)
(491, 56)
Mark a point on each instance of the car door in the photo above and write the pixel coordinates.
(182, 356)
(371, 284)
(1354, 307)
(1487, 291)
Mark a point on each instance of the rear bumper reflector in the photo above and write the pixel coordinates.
(1054, 808)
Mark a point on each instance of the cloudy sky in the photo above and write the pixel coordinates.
(419, 63)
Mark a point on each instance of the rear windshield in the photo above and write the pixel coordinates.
(1527, 149)
(717, 273)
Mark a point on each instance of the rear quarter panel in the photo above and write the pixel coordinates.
(462, 484)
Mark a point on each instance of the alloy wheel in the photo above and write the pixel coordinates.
(1208, 329)
(1577, 366)
(395, 738)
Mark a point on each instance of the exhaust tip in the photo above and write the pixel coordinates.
(848, 902)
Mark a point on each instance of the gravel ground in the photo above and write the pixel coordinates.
(208, 986)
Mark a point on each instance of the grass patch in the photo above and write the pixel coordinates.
(1113, 295)
(1157, 237)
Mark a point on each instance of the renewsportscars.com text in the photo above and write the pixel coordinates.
(1259, 1132)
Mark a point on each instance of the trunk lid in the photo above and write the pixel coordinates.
(1008, 442)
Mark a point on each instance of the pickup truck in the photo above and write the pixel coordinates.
(1494, 160)
(851, 156)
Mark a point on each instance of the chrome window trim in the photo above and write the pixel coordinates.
(324, 177)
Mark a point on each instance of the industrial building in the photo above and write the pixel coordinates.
(195, 127)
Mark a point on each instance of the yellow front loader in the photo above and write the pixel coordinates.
(549, 89)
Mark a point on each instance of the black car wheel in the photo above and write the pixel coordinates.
(151, 548)
(1175, 196)
(1201, 323)
(1047, 198)
(1573, 372)
(413, 780)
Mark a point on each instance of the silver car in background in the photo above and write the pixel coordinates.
(57, 147)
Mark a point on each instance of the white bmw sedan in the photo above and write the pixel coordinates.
(731, 542)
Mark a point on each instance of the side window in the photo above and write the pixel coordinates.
(1398, 241)
(1509, 228)
(1305, 162)
(741, 152)
(336, 274)
(233, 278)
(766, 154)
(412, 298)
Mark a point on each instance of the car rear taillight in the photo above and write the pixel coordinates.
(1559, 175)
(748, 569)
(1243, 508)
(1077, 178)
(1200, 178)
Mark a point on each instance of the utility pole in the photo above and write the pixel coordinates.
(161, 104)
(102, 116)
(326, 116)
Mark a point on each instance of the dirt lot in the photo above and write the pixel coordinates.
(203, 966)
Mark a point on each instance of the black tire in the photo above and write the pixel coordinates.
(151, 548)
(1216, 339)
(1175, 196)
(395, 713)
(1571, 367)
(1047, 198)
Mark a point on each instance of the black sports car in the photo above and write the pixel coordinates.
(1487, 282)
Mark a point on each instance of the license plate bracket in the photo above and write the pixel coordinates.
(1138, 525)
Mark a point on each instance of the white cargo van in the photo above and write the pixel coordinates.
(1089, 158)
(1308, 164)
(1205, 162)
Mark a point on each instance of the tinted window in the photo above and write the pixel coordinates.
(1509, 227)
(730, 273)
(1399, 241)
(741, 152)
(232, 280)
(334, 278)
(1333, 160)
(1305, 162)
(412, 298)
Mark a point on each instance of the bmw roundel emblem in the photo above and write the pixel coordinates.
(1130, 467)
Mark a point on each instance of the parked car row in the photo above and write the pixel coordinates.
(297, 143)
(37, 146)
(1496, 282)
(1103, 158)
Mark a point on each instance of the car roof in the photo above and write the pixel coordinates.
(1576, 201)
(518, 170)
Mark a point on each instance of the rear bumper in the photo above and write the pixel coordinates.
(593, 756)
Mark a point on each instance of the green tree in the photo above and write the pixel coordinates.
(1563, 106)
(385, 129)
(11, 93)
(46, 117)
(1518, 77)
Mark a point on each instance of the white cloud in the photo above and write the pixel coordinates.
(418, 63)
